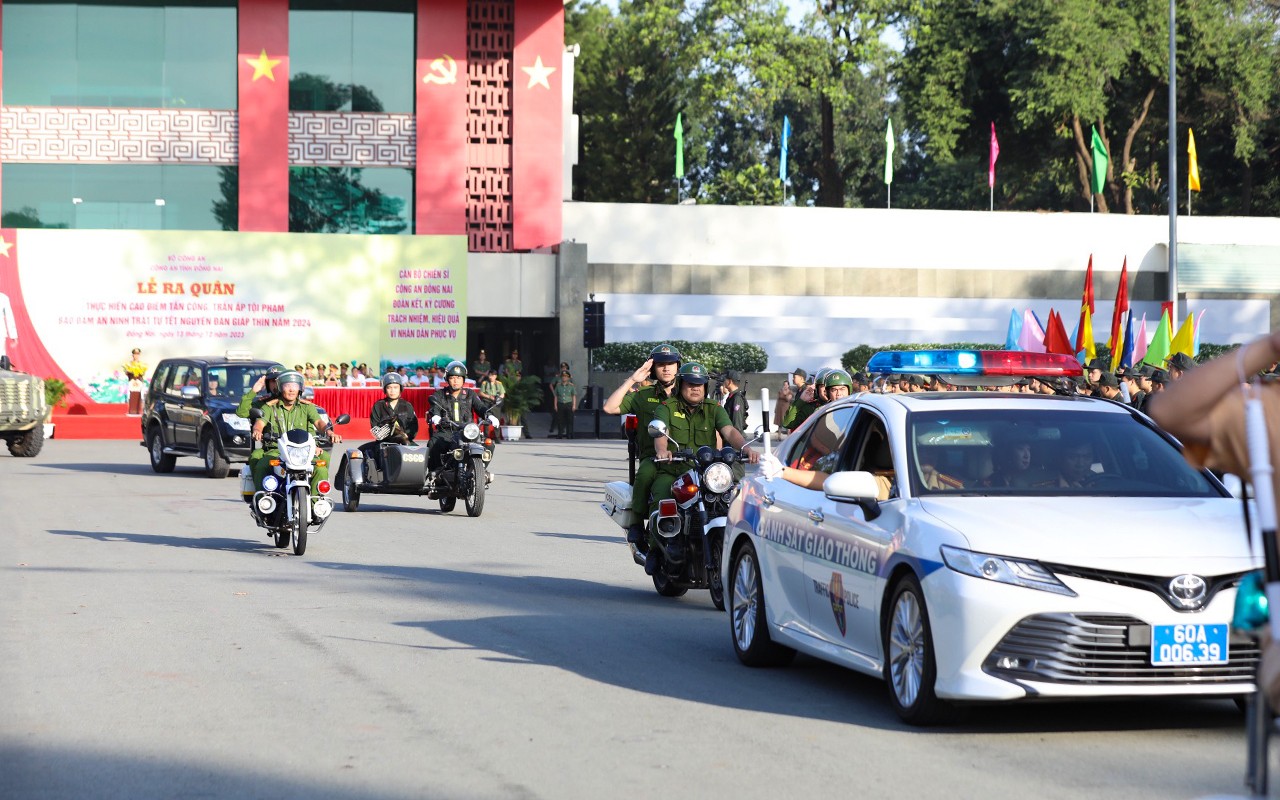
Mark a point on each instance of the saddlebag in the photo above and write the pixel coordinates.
(406, 467)
(617, 503)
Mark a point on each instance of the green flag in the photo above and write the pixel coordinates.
(1158, 350)
(1100, 162)
(679, 148)
(888, 154)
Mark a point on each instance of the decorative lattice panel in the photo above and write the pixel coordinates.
(53, 135)
(490, 43)
(359, 139)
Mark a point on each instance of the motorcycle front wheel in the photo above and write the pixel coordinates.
(665, 586)
(474, 500)
(282, 538)
(301, 518)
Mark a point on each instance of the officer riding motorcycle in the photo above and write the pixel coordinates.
(662, 367)
(283, 414)
(451, 408)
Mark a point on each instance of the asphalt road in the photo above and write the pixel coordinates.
(155, 645)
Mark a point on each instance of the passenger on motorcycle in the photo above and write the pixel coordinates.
(663, 363)
(283, 414)
(392, 420)
(692, 423)
(838, 385)
(265, 388)
(456, 403)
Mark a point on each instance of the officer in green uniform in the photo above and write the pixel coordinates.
(692, 422)
(838, 385)
(513, 367)
(480, 367)
(663, 363)
(264, 389)
(285, 413)
(566, 402)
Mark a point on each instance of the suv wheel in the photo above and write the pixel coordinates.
(215, 466)
(28, 443)
(160, 462)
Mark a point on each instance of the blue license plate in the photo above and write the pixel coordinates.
(1188, 645)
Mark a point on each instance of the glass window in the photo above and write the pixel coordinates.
(1038, 452)
(350, 200)
(823, 440)
(140, 54)
(345, 56)
(115, 196)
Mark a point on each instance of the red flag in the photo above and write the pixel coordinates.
(995, 153)
(1086, 303)
(1118, 316)
(1055, 336)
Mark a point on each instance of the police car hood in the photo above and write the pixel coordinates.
(1146, 535)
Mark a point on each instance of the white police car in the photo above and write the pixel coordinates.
(978, 547)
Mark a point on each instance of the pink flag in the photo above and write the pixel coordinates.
(1031, 340)
(1140, 346)
(995, 153)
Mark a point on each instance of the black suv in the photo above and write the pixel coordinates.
(191, 411)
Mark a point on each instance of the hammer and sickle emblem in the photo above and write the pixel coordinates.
(443, 71)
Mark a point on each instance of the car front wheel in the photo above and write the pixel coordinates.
(748, 623)
(910, 667)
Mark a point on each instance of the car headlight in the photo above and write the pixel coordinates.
(235, 423)
(718, 478)
(471, 432)
(1000, 569)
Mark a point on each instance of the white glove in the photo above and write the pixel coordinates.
(492, 420)
(770, 466)
(435, 420)
(381, 432)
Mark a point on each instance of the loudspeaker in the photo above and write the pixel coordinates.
(593, 323)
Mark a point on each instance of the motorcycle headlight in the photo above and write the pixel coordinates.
(235, 423)
(1013, 571)
(270, 483)
(297, 456)
(471, 432)
(718, 478)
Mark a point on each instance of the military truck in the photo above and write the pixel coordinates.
(22, 410)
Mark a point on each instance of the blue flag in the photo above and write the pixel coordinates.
(1126, 352)
(1015, 331)
(782, 162)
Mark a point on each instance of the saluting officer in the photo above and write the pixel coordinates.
(289, 412)
(661, 367)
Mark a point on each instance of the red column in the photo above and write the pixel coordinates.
(440, 177)
(263, 73)
(536, 120)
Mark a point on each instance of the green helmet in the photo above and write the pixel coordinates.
(820, 377)
(665, 354)
(837, 377)
(455, 368)
(693, 373)
(275, 371)
(291, 376)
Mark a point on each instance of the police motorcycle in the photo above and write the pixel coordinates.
(284, 505)
(690, 526)
(464, 474)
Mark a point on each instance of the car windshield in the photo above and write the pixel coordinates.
(1046, 452)
(232, 381)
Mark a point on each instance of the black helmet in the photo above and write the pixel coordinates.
(390, 378)
(693, 373)
(455, 368)
(274, 371)
(291, 376)
(665, 354)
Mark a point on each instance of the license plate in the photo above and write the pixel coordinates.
(1187, 645)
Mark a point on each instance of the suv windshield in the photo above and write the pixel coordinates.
(1046, 452)
(232, 381)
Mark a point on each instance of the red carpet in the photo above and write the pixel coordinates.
(106, 422)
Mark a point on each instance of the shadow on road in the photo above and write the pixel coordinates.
(199, 543)
(116, 468)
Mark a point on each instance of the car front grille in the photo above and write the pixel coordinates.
(1104, 649)
(1156, 584)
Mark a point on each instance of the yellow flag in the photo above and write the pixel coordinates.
(1086, 335)
(1184, 341)
(1193, 171)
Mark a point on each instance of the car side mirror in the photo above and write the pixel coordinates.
(190, 392)
(859, 488)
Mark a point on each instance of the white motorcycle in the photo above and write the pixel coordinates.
(284, 505)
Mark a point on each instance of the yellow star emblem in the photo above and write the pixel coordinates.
(262, 65)
(4, 247)
(538, 74)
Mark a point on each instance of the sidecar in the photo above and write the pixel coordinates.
(403, 470)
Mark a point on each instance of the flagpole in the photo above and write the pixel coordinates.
(889, 202)
(992, 206)
(1173, 161)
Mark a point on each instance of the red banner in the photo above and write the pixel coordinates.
(263, 76)
(440, 178)
(537, 122)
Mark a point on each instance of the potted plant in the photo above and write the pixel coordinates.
(522, 395)
(55, 394)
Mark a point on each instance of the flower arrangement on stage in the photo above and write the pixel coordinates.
(134, 369)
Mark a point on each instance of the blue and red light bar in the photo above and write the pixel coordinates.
(1008, 363)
